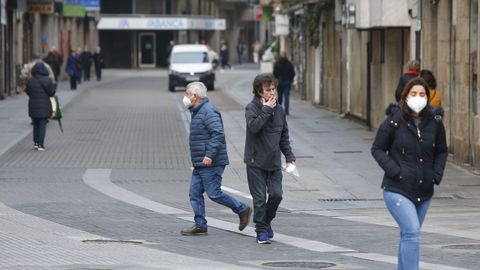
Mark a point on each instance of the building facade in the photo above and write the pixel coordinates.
(146, 28)
(31, 27)
(349, 55)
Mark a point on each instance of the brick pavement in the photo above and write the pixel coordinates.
(106, 128)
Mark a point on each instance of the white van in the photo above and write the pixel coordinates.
(190, 63)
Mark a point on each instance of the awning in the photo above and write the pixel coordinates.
(160, 23)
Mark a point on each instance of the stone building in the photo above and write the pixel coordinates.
(349, 55)
(31, 27)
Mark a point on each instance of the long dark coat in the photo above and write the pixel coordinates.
(39, 89)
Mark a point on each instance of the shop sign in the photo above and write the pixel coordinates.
(282, 25)
(267, 13)
(161, 23)
(258, 10)
(90, 5)
(41, 6)
(73, 11)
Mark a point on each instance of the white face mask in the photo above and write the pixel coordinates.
(187, 102)
(417, 103)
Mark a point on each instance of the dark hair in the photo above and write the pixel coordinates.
(406, 91)
(427, 75)
(261, 80)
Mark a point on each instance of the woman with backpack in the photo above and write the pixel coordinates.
(410, 146)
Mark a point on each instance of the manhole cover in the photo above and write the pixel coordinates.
(306, 265)
(107, 241)
(464, 247)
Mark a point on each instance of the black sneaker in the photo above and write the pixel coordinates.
(244, 218)
(41, 147)
(35, 146)
(195, 230)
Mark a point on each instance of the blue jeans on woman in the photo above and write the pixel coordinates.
(209, 179)
(409, 217)
(39, 130)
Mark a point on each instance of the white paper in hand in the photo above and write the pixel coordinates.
(292, 169)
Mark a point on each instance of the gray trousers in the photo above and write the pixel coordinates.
(261, 183)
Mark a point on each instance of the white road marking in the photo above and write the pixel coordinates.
(237, 192)
(30, 242)
(99, 179)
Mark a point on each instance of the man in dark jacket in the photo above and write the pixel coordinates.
(284, 71)
(86, 62)
(99, 62)
(267, 138)
(39, 89)
(413, 71)
(54, 60)
(208, 150)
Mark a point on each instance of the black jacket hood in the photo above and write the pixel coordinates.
(39, 69)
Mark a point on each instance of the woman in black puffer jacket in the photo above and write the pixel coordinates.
(40, 88)
(411, 148)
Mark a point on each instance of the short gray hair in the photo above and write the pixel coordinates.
(198, 89)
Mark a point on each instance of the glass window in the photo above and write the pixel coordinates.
(190, 58)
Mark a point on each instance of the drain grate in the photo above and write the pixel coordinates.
(463, 247)
(108, 241)
(348, 200)
(305, 265)
(319, 131)
(348, 152)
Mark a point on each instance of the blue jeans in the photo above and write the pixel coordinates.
(283, 90)
(261, 183)
(409, 217)
(209, 179)
(39, 130)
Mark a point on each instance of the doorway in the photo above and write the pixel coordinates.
(147, 50)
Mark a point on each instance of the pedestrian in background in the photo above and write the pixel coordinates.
(413, 71)
(99, 62)
(86, 62)
(435, 99)
(168, 52)
(54, 60)
(410, 146)
(72, 70)
(284, 72)
(208, 150)
(266, 139)
(78, 63)
(224, 56)
(256, 50)
(240, 52)
(40, 88)
(213, 57)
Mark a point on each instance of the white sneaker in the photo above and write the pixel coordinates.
(41, 148)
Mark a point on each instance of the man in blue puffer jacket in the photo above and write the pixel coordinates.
(208, 150)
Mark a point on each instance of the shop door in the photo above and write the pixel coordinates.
(146, 45)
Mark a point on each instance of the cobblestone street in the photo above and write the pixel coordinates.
(111, 192)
